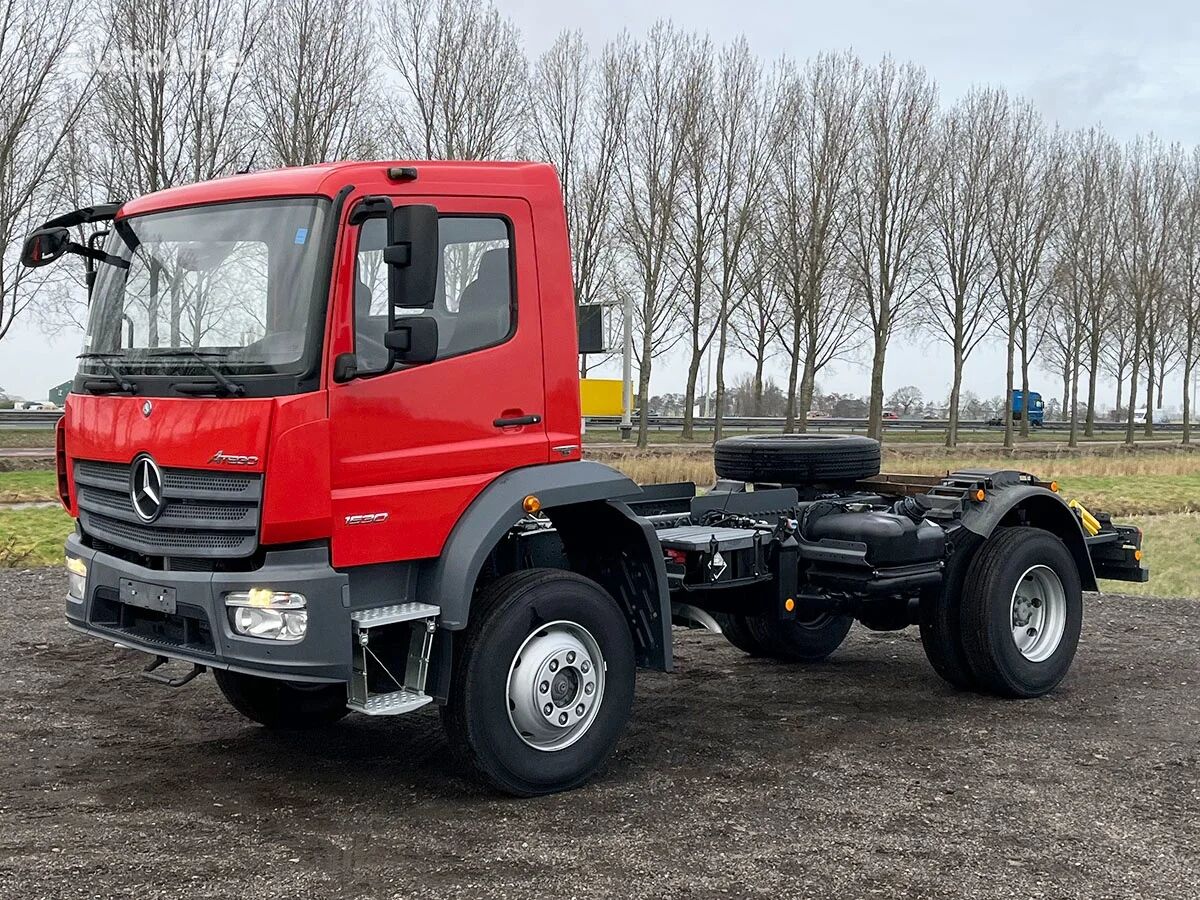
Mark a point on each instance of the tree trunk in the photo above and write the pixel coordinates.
(689, 397)
(643, 396)
(1133, 384)
(722, 346)
(1187, 393)
(1008, 387)
(875, 410)
(789, 425)
(955, 393)
(760, 362)
(1089, 429)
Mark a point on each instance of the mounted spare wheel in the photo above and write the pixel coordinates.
(797, 459)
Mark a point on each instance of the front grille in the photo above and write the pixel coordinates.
(205, 514)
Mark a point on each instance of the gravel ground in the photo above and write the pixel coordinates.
(864, 776)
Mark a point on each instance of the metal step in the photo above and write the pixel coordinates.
(388, 615)
(393, 703)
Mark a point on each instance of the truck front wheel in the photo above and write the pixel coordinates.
(542, 682)
(283, 705)
(1022, 611)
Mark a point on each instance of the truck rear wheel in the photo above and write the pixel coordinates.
(542, 683)
(737, 631)
(1022, 612)
(799, 640)
(283, 705)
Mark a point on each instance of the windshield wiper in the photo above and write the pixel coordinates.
(227, 384)
(123, 384)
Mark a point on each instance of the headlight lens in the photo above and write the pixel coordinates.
(267, 614)
(76, 579)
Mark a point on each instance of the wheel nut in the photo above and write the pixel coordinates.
(1036, 603)
(544, 686)
(579, 710)
(571, 656)
(562, 719)
(588, 688)
(547, 709)
(585, 667)
(554, 665)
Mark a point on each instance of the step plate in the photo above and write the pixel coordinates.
(389, 615)
(394, 703)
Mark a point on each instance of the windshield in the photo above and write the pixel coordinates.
(233, 286)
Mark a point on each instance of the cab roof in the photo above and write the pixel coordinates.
(327, 179)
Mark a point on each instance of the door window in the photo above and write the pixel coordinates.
(474, 303)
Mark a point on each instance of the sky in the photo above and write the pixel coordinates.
(1134, 68)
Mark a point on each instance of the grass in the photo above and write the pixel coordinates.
(27, 437)
(1171, 545)
(929, 437)
(33, 537)
(27, 487)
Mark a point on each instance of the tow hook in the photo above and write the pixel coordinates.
(150, 673)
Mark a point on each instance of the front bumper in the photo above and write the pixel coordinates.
(200, 632)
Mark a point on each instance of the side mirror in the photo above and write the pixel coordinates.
(412, 256)
(413, 340)
(44, 246)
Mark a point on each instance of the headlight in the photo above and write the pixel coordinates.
(271, 615)
(76, 579)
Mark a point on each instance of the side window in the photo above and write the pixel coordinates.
(474, 304)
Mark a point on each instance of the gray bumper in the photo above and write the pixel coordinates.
(200, 632)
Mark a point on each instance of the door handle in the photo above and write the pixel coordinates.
(517, 420)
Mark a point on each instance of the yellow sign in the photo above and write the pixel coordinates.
(600, 396)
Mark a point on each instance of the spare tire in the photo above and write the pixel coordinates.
(797, 459)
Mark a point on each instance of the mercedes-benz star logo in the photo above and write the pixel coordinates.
(145, 488)
(147, 408)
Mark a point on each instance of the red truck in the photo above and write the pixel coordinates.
(324, 441)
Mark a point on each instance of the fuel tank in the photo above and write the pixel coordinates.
(891, 539)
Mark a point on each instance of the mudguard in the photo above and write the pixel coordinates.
(450, 580)
(1011, 501)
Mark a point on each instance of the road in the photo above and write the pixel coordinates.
(865, 776)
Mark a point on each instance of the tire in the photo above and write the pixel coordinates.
(795, 641)
(940, 619)
(283, 705)
(1023, 586)
(531, 619)
(737, 631)
(797, 459)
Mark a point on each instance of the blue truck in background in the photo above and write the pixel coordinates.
(1016, 404)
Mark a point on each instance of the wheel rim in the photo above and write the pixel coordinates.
(1038, 613)
(555, 686)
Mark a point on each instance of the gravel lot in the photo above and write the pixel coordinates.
(864, 776)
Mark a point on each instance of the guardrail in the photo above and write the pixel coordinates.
(29, 418)
(18, 418)
(752, 423)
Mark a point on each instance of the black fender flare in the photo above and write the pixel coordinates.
(582, 499)
(1034, 505)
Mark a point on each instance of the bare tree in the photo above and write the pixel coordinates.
(1149, 200)
(815, 139)
(651, 159)
(315, 81)
(1187, 280)
(39, 105)
(961, 308)
(755, 322)
(696, 221)
(893, 179)
(1021, 224)
(465, 72)
(576, 125)
(172, 101)
(740, 170)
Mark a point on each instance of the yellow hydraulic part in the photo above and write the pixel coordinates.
(601, 396)
(1090, 523)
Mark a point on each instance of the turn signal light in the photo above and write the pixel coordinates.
(1054, 486)
(1137, 555)
(531, 504)
(979, 496)
(789, 604)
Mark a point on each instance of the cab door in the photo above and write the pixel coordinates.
(412, 447)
